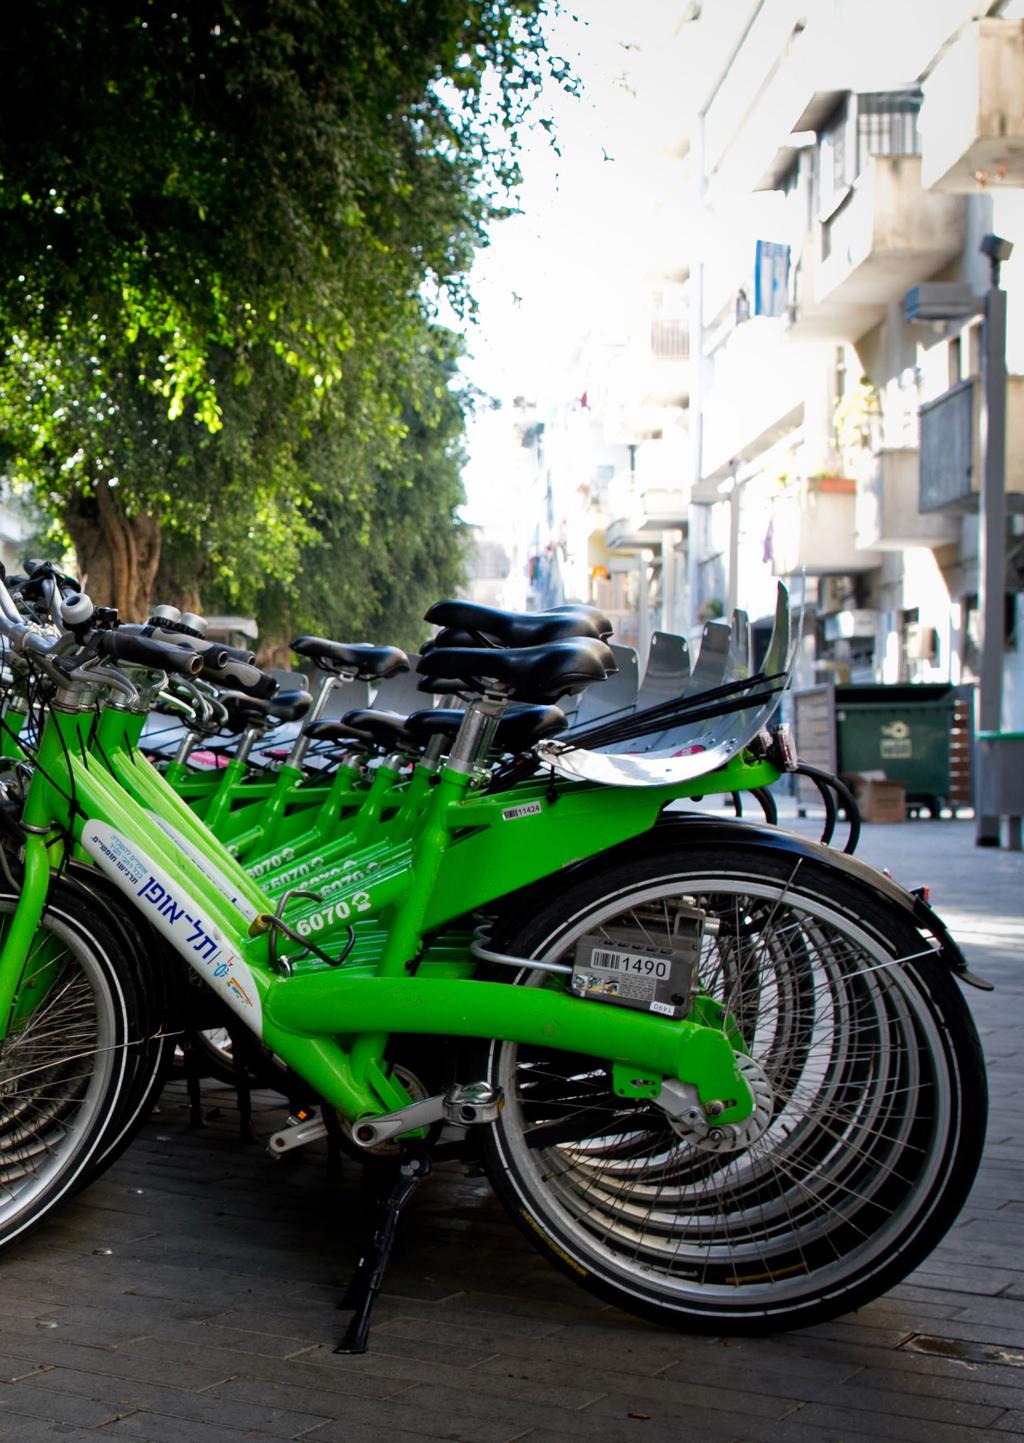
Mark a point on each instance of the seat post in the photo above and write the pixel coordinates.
(186, 747)
(300, 746)
(475, 735)
(249, 738)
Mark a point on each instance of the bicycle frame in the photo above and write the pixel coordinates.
(331, 1024)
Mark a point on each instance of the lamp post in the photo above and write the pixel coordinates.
(947, 301)
(992, 525)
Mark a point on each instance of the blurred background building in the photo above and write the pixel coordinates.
(786, 379)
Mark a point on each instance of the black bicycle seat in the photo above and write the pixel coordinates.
(364, 724)
(526, 673)
(520, 726)
(367, 663)
(465, 623)
(248, 711)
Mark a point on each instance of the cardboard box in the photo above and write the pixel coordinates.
(878, 799)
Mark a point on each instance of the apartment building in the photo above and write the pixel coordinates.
(845, 156)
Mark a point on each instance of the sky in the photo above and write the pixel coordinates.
(555, 271)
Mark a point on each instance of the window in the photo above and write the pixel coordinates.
(887, 124)
(970, 635)
(882, 122)
(835, 171)
(975, 336)
(954, 357)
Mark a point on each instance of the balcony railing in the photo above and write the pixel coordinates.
(948, 426)
(641, 510)
(886, 234)
(951, 451)
(670, 340)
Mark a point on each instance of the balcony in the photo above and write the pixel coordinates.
(666, 368)
(885, 235)
(641, 508)
(972, 119)
(647, 381)
(756, 395)
(886, 514)
(809, 319)
(951, 451)
(813, 529)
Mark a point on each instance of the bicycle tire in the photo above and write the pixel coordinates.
(877, 1118)
(156, 973)
(66, 1073)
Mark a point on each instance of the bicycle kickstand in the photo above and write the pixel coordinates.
(413, 1167)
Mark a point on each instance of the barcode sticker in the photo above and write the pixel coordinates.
(526, 809)
(632, 962)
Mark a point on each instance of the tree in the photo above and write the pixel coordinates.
(380, 551)
(219, 231)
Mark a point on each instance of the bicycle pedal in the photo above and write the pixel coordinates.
(469, 1103)
(298, 1133)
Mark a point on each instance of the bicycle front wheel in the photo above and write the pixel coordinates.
(65, 1065)
(876, 1111)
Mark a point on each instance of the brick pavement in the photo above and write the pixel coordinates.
(190, 1294)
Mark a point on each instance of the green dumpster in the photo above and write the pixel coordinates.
(901, 730)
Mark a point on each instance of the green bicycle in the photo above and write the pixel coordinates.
(719, 1075)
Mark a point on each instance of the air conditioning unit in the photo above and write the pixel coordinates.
(860, 623)
(921, 643)
(834, 593)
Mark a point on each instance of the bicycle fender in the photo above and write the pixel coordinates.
(722, 829)
(697, 831)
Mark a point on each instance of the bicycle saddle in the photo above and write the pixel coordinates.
(521, 726)
(383, 728)
(368, 663)
(249, 711)
(526, 673)
(468, 624)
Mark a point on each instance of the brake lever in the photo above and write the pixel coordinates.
(210, 713)
(178, 706)
(91, 673)
(53, 598)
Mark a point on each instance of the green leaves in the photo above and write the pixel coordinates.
(216, 240)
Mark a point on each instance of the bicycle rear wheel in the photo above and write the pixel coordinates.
(877, 1103)
(66, 1067)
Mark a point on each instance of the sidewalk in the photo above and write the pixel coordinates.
(189, 1295)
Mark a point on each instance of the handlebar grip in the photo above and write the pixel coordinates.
(213, 654)
(241, 676)
(237, 653)
(144, 651)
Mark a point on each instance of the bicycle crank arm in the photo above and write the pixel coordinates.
(464, 1105)
(296, 1134)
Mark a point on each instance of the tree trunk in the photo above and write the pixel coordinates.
(118, 555)
(173, 591)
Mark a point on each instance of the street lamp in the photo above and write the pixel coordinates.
(946, 301)
(992, 526)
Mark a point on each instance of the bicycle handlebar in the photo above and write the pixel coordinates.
(145, 651)
(237, 653)
(214, 655)
(241, 676)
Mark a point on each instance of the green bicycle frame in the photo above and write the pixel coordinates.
(331, 1023)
